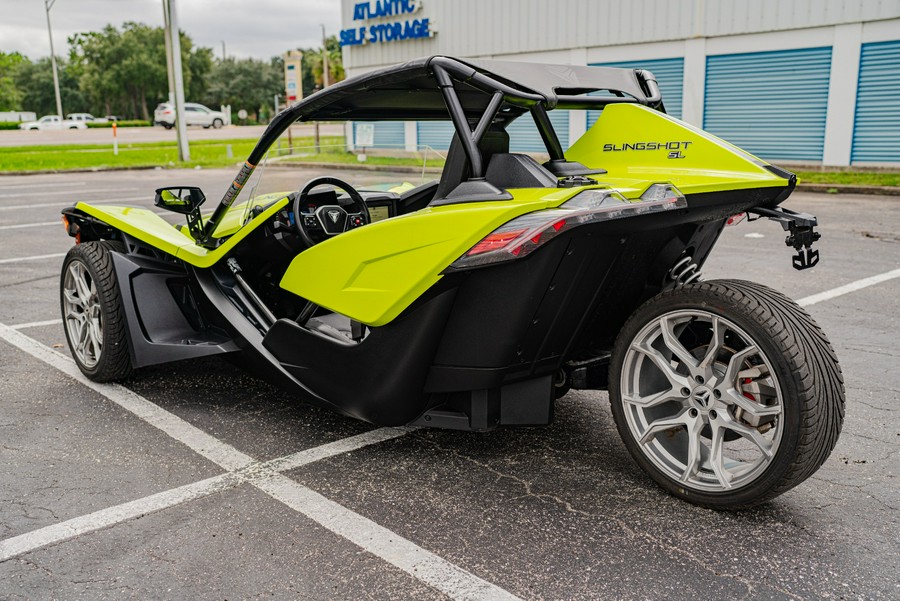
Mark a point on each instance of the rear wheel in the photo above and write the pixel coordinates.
(727, 393)
(92, 312)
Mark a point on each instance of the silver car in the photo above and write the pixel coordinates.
(195, 114)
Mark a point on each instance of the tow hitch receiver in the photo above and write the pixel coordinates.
(801, 236)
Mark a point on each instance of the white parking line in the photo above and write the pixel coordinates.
(104, 518)
(36, 324)
(419, 563)
(377, 540)
(39, 193)
(67, 203)
(32, 258)
(27, 225)
(47, 185)
(848, 288)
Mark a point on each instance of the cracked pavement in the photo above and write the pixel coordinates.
(559, 512)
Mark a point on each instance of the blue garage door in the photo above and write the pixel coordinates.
(771, 104)
(876, 133)
(669, 74)
(523, 134)
(388, 134)
(435, 134)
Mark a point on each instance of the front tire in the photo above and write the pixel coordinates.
(726, 392)
(92, 311)
(217, 123)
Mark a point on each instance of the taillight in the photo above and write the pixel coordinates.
(523, 235)
(735, 219)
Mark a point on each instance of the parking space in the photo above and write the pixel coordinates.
(196, 480)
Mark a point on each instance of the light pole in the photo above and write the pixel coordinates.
(223, 49)
(184, 152)
(48, 4)
(324, 59)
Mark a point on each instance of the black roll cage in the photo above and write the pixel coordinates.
(446, 71)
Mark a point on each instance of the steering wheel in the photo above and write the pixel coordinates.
(329, 220)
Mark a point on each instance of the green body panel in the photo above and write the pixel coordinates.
(373, 273)
(151, 229)
(710, 164)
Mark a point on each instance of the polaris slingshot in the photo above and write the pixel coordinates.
(475, 301)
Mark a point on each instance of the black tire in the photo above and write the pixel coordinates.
(802, 359)
(113, 361)
(217, 124)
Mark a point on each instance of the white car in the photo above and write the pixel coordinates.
(195, 114)
(85, 118)
(53, 122)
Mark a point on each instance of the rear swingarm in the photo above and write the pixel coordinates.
(802, 233)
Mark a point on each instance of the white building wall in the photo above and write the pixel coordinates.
(503, 27)
(592, 31)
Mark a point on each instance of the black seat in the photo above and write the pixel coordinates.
(457, 167)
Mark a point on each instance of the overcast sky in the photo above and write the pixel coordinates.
(250, 28)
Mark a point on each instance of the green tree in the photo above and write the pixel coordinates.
(124, 72)
(312, 66)
(247, 84)
(35, 83)
(10, 95)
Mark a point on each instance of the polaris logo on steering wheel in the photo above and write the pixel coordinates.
(334, 216)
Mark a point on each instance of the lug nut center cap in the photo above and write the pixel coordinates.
(702, 397)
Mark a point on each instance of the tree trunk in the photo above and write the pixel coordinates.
(146, 113)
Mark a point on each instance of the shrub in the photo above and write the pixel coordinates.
(9, 125)
(133, 123)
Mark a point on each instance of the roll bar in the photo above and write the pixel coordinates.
(445, 70)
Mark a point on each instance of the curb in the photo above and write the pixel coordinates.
(83, 170)
(849, 189)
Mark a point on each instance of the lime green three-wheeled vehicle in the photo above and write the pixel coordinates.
(476, 300)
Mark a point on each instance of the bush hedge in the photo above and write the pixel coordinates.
(134, 123)
(9, 125)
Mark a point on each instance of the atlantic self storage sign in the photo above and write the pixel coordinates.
(405, 28)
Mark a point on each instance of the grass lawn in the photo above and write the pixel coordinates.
(859, 178)
(214, 153)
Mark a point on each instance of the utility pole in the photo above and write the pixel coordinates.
(184, 151)
(324, 59)
(223, 49)
(168, 40)
(48, 4)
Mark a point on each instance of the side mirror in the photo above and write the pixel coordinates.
(180, 199)
(185, 200)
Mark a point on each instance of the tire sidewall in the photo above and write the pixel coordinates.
(107, 296)
(694, 297)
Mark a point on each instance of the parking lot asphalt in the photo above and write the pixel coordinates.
(196, 480)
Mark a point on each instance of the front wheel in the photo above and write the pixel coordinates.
(726, 392)
(217, 123)
(92, 312)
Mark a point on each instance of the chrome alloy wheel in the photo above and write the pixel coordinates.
(702, 400)
(81, 308)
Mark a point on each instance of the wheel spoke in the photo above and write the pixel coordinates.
(675, 379)
(72, 298)
(751, 434)
(715, 343)
(654, 399)
(661, 425)
(733, 397)
(734, 364)
(692, 464)
(716, 459)
(674, 345)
